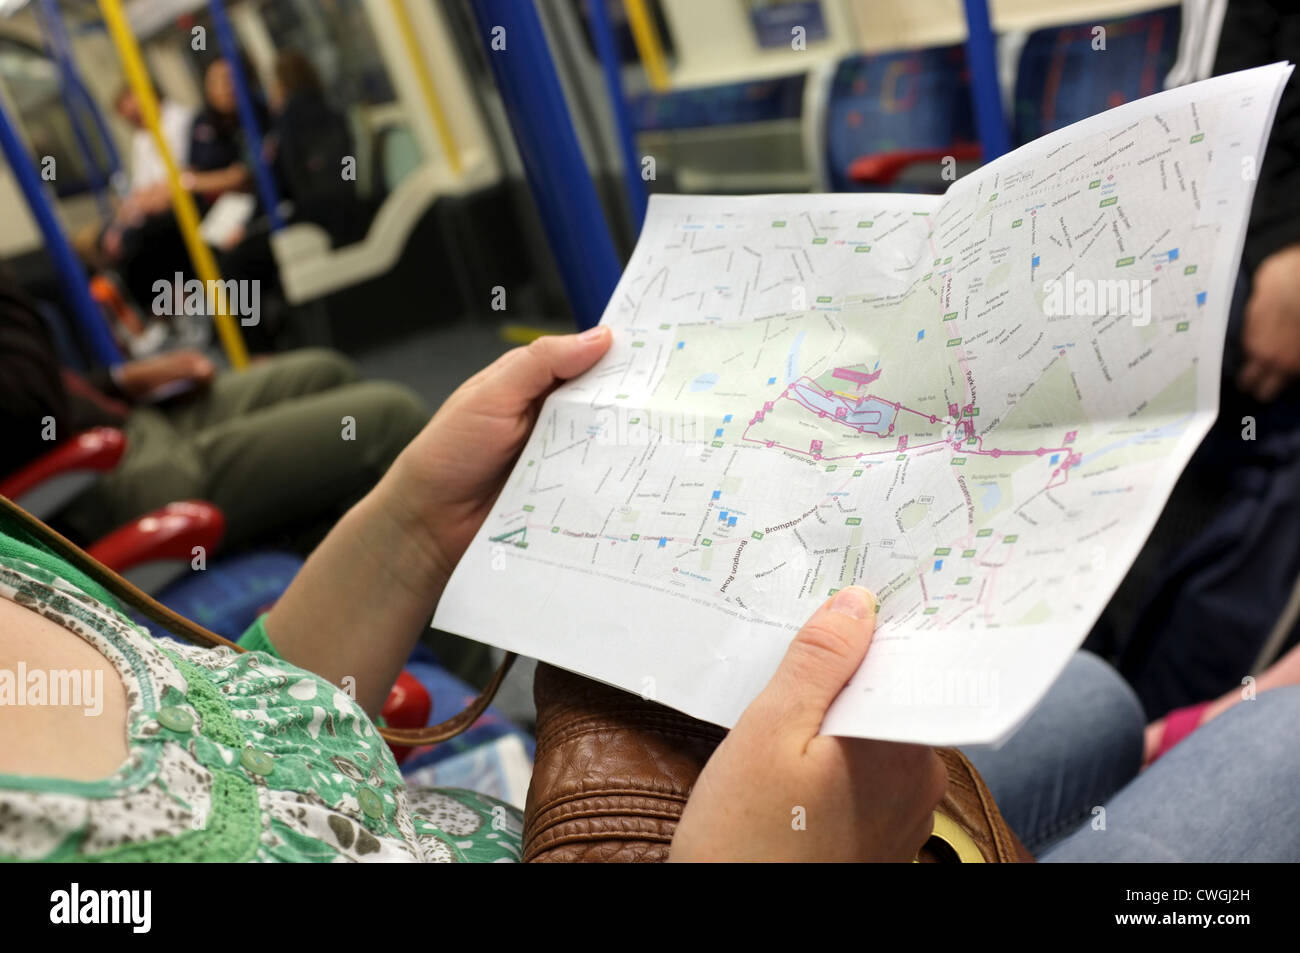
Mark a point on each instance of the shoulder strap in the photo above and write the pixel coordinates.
(178, 625)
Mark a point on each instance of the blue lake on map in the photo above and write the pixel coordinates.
(872, 415)
(992, 496)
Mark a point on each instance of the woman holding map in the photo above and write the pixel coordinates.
(219, 762)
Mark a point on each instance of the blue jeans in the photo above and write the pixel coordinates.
(1067, 781)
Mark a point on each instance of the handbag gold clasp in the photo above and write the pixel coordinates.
(950, 833)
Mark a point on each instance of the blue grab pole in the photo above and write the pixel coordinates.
(59, 32)
(247, 114)
(98, 180)
(58, 36)
(74, 99)
(603, 36)
(557, 172)
(71, 275)
(105, 134)
(981, 54)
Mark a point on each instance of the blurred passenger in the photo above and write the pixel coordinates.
(1200, 603)
(309, 142)
(148, 171)
(142, 242)
(281, 448)
(219, 164)
(218, 161)
(1164, 733)
(1256, 33)
(149, 193)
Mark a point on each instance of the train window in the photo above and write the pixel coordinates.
(618, 25)
(336, 35)
(32, 81)
(349, 111)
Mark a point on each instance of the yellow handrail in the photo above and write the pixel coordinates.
(416, 56)
(648, 45)
(187, 214)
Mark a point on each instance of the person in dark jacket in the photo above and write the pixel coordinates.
(1208, 596)
(1256, 33)
(218, 160)
(312, 146)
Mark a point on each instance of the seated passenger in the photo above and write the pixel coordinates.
(1164, 733)
(148, 171)
(218, 161)
(233, 734)
(142, 242)
(219, 164)
(1197, 607)
(278, 447)
(309, 141)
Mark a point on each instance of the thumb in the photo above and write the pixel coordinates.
(819, 663)
(521, 376)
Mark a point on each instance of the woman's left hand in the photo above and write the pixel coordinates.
(450, 475)
(382, 569)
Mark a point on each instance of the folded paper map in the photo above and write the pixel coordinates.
(973, 404)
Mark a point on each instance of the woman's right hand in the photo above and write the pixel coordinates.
(776, 790)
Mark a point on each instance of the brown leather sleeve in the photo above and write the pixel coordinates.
(613, 772)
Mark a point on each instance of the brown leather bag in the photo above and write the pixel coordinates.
(613, 772)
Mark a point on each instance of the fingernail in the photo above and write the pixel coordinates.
(854, 601)
(592, 334)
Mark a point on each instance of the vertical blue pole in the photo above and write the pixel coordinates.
(247, 114)
(98, 180)
(59, 31)
(74, 99)
(57, 37)
(105, 134)
(72, 277)
(981, 55)
(557, 172)
(608, 53)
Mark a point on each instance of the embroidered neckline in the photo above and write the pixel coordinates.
(102, 629)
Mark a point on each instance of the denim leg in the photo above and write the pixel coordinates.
(1227, 793)
(1079, 746)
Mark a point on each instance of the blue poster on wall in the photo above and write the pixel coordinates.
(774, 21)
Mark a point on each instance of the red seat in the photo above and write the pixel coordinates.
(408, 706)
(882, 168)
(49, 482)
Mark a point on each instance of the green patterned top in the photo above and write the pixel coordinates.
(232, 757)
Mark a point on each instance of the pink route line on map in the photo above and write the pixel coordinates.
(966, 425)
(1061, 471)
(1071, 457)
